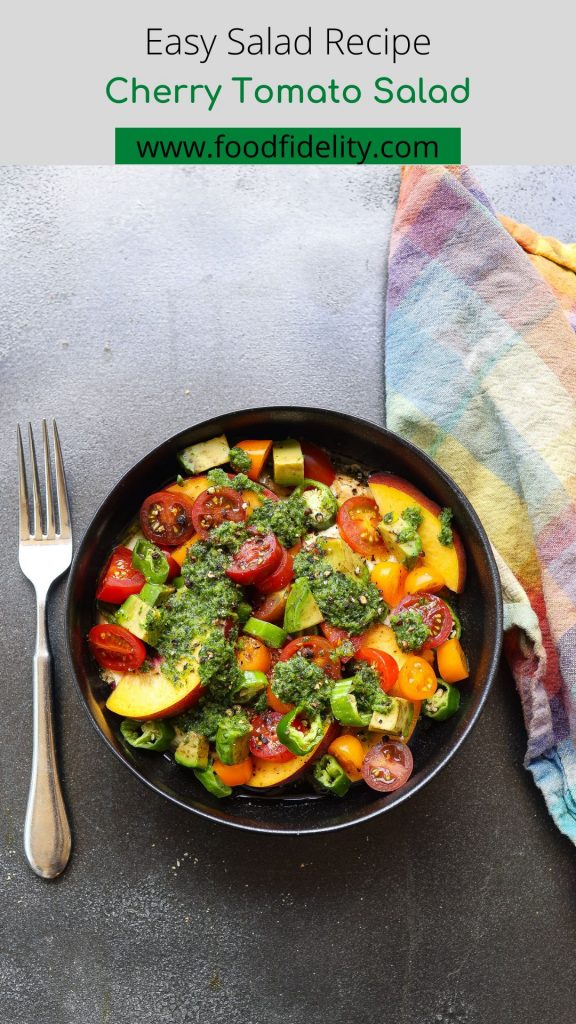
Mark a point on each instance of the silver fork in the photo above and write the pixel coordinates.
(44, 556)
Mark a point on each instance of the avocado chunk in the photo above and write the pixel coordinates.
(396, 720)
(139, 618)
(233, 739)
(301, 610)
(155, 593)
(198, 458)
(192, 751)
(400, 534)
(288, 463)
(340, 556)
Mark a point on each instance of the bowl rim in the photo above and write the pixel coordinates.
(438, 761)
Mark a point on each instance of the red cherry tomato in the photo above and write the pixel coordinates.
(358, 520)
(115, 648)
(315, 649)
(385, 665)
(435, 613)
(120, 578)
(387, 766)
(283, 575)
(258, 557)
(264, 742)
(336, 636)
(215, 506)
(173, 568)
(317, 464)
(166, 519)
(271, 607)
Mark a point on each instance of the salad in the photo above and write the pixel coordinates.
(271, 619)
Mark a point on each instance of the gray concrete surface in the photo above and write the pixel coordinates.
(132, 302)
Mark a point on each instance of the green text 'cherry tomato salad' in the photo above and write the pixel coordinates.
(272, 619)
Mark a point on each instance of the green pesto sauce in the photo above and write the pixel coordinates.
(192, 620)
(344, 601)
(239, 460)
(300, 681)
(229, 535)
(204, 718)
(446, 537)
(289, 518)
(367, 690)
(410, 630)
(240, 482)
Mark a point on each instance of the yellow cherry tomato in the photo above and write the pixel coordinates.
(275, 703)
(252, 655)
(423, 579)
(452, 662)
(428, 656)
(179, 554)
(417, 679)
(349, 753)
(389, 577)
(234, 774)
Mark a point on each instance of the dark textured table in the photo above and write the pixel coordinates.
(133, 302)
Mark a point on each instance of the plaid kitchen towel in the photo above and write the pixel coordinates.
(481, 374)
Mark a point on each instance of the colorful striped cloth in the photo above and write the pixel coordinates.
(481, 374)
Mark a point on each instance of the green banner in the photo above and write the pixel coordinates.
(288, 145)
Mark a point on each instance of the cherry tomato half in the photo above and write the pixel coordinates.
(120, 579)
(390, 578)
(258, 557)
(317, 464)
(336, 636)
(252, 655)
(315, 649)
(283, 575)
(435, 613)
(272, 606)
(115, 648)
(387, 766)
(264, 742)
(385, 665)
(215, 506)
(349, 752)
(358, 520)
(166, 519)
(275, 703)
(416, 679)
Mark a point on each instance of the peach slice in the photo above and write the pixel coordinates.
(393, 494)
(151, 694)
(268, 774)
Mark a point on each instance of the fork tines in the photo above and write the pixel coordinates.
(61, 507)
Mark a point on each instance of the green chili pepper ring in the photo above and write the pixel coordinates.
(156, 735)
(296, 741)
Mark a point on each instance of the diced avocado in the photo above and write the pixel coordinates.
(205, 455)
(233, 739)
(396, 721)
(340, 556)
(288, 463)
(139, 618)
(401, 537)
(301, 610)
(192, 751)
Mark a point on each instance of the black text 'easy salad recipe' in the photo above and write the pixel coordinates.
(276, 619)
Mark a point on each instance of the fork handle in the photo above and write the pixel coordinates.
(47, 838)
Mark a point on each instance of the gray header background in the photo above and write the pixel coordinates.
(57, 59)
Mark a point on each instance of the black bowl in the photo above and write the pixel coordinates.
(480, 606)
